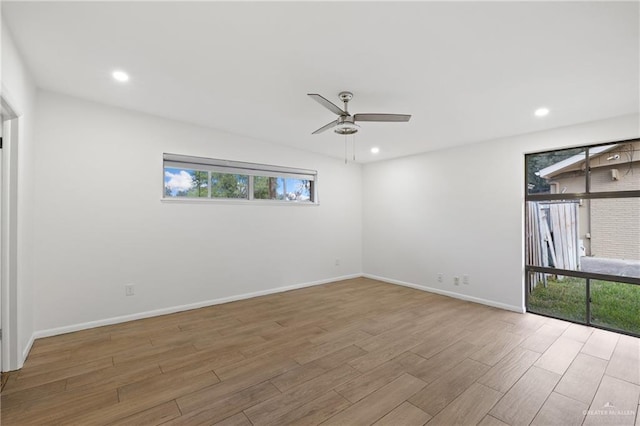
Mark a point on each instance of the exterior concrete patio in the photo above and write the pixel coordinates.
(600, 265)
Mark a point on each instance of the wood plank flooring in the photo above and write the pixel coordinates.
(355, 352)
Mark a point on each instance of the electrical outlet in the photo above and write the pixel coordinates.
(337, 262)
(456, 280)
(129, 290)
(465, 279)
(440, 277)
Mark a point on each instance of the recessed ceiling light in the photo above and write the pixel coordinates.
(541, 112)
(120, 76)
(375, 150)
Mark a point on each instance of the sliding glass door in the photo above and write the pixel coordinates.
(582, 235)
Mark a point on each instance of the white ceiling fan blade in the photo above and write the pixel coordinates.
(382, 117)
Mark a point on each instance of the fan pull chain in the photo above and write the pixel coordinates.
(353, 147)
(345, 149)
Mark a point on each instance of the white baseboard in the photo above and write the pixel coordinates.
(468, 298)
(26, 350)
(173, 309)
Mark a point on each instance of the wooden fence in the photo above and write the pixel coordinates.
(552, 237)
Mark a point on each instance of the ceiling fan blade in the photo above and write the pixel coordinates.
(327, 104)
(326, 127)
(381, 117)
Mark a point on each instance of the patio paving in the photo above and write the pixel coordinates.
(600, 265)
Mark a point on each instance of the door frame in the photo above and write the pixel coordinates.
(9, 231)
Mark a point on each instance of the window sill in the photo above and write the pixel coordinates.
(238, 202)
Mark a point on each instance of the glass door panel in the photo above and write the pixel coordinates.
(615, 305)
(558, 296)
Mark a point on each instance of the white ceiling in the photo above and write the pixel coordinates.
(467, 71)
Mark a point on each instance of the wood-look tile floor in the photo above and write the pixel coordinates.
(356, 352)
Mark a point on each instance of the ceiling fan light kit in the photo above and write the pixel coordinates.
(346, 123)
(346, 127)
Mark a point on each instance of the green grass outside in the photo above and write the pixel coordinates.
(614, 305)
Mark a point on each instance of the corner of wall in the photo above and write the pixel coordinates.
(461, 296)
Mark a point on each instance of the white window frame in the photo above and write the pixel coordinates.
(238, 168)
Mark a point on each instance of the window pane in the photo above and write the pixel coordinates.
(615, 167)
(615, 305)
(558, 296)
(265, 188)
(225, 185)
(614, 243)
(599, 236)
(554, 237)
(297, 189)
(556, 172)
(185, 183)
(285, 189)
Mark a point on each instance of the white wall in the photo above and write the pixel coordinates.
(19, 90)
(100, 224)
(461, 211)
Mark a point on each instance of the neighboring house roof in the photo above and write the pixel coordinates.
(571, 162)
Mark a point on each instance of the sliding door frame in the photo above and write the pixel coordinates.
(587, 195)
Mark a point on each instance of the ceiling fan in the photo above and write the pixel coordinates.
(346, 123)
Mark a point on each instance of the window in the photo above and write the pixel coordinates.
(186, 183)
(227, 185)
(280, 188)
(582, 234)
(187, 177)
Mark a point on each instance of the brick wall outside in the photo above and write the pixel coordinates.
(615, 223)
(615, 228)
